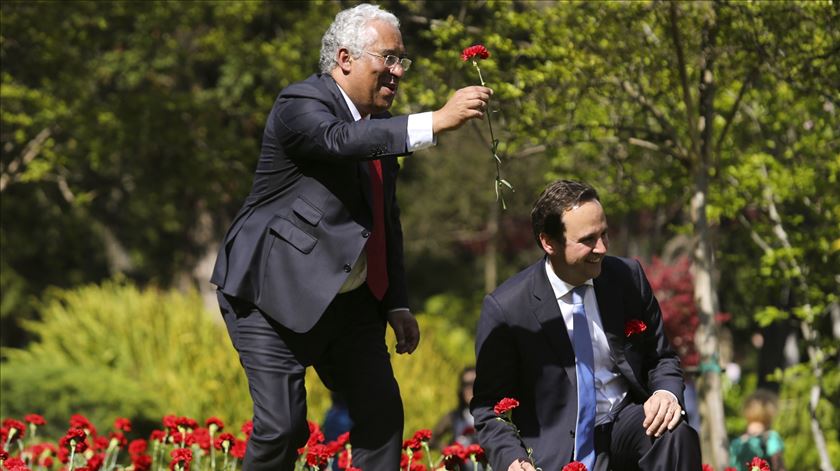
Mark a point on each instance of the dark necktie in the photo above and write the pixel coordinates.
(585, 433)
(377, 270)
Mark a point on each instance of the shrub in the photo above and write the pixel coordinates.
(114, 350)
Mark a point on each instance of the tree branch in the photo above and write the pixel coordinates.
(682, 69)
(11, 173)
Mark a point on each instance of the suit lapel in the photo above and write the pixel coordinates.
(547, 312)
(343, 112)
(611, 308)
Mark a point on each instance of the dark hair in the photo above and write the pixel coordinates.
(558, 197)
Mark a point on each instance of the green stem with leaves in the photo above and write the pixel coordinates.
(494, 146)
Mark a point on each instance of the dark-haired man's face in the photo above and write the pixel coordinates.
(579, 257)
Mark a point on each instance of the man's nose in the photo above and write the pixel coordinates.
(397, 70)
(601, 245)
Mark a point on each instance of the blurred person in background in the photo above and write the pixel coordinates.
(458, 425)
(759, 439)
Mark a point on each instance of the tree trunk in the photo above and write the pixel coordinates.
(713, 431)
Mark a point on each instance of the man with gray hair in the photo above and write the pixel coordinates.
(312, 266)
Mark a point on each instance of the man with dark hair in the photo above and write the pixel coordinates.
(312, 266)
(577, 338)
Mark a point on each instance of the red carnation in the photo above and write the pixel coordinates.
(728, 468)
(100, 443)
(170, 422)
(471, 53)
(201, 436)
(181, 458)
(117, 439)
(15, 464)
(3, 455)
(141, 462)
(634, 326)
(505, 405)
(343, 439)
(35, 419)
(186, 423)
(454, 456)
(707, 467)
(247, 428)
(138, 447)
(477, 453)
(758, 464)
(318, 455)
(344, 460)
(122, 424)
(238, 450)
(15, 429)
(82, 422)
(95, 462)
(225, 442)
(423, 435)
(75, 438)
(412, 444)
(315, 434)
(415, 459)
(157, 436)
(574, 466)
(214, 422)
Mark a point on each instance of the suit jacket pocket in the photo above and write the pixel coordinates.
(307, 211)
(288, 231)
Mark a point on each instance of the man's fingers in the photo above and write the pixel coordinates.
(521, 465)
(675, 420)
(660, 409)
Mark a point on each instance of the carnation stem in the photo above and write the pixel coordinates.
(494, 149)
(428, 455)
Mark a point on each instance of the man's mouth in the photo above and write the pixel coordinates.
(391, 86)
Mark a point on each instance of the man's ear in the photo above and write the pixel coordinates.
(548, 244)
(345, 60)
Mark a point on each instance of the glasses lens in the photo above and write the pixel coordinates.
(391, 61)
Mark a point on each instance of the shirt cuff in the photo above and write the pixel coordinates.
(669, 392)
(420, 134)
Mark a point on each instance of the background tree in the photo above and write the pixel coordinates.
(651, 102)
(130, 132)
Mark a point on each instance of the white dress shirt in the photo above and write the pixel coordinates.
(419, 136)
(610, 386)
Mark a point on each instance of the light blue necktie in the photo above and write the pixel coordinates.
(585, 432)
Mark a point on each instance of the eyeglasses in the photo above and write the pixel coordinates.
(391, 61)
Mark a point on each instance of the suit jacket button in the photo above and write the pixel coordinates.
(365, 233)
(347, 268)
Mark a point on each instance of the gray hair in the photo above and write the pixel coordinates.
(350, 30)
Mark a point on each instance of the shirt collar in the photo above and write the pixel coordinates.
(559, 286)
(353, 110)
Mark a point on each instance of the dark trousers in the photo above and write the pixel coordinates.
(622, 445)
(347, 349)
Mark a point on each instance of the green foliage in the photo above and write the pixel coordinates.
(115, 350)
(138, 122)
(793, 421)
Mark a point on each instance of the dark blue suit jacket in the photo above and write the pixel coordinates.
(294, 241)
(523, 351)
